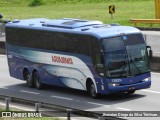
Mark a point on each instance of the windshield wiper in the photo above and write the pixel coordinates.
(133, 61)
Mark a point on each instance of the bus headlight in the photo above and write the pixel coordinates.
(146, 79)
(113, 84)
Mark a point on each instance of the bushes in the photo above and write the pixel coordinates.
(36, 3)
(42, 2)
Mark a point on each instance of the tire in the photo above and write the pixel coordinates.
(131, 92)
(28, 79)
(92, 91)
(37, 81)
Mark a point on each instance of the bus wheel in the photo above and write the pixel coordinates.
(28, 79)
(92, 91)
(131, 92)
(37, 81)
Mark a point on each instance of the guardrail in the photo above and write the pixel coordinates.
(55, 109)
(146, 21)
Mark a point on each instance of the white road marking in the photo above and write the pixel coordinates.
(29, 92)
(125, 109)
(151, 91)
(3, 87)
(61, 97)
(2, 55)
(98, 104)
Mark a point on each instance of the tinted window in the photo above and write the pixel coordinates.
(133, 39)
(59, 41)
(113, 44)
(71, 43)
(47, 40)
(34, 39)
(10, 35)
(84, 45)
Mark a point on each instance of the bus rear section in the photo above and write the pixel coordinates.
(79, 54)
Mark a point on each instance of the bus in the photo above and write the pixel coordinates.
(80, 54)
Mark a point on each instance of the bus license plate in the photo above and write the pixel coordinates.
(131, 88)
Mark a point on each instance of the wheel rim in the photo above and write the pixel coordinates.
(93, 90)
(27, 78)
(37, 80)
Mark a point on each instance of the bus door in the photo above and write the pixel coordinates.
(97, 57)
(99, 63)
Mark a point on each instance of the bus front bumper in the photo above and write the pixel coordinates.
(131, 87)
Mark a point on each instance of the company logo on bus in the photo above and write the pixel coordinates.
(64, 60)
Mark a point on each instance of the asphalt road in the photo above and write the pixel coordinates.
(142, 100)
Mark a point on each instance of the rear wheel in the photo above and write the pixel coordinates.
(28, 79)
(92, 90)
(37, 81)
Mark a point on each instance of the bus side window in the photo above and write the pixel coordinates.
(47, 40)
(35, 39)
(10, 35)
(71, 44)
(83, 45)
(59, 41)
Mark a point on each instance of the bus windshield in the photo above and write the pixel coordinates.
(125, 56)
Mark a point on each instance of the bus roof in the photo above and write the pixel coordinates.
(95, 28)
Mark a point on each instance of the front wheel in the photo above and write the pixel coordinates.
(92, 91)
(131, 92)
(37, 81)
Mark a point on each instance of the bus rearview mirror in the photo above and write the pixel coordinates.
(150, 52)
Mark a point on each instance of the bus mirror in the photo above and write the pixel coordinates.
(150, 52)
(145, 38)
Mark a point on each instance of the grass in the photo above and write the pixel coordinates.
(91, 10)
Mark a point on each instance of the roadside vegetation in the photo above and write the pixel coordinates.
(81, 9)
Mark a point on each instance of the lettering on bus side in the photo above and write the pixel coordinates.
(116, 80)
(64, 60)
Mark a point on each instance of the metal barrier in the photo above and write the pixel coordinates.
(146, 21)
(52, 108)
